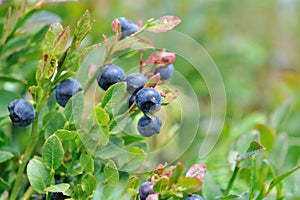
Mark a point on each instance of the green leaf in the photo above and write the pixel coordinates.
(66, 134)
(89, 142)
(74, 108)
(100, 116)
(254, 148)
(112, 149)
(52, 152)
(161, 184)
(89, 184)
(188, 184)
(11, 78)
(38, 175)
(78, 193)
(4, 185)
(136, 154)
(84, 25)
(62, 187)
(230, 196)
(112, 174)
(282, 176)
(56, 121)
(113, 96)
(133, 185)
(87, 162)
(36, 92)
(134, 43)
(163, 24)
(51, 37)
(267, 136)
(176, 172)
(61, 41)
(5, 155)
(129, 139)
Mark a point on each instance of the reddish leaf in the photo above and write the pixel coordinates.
(198, 171)
(163, 24)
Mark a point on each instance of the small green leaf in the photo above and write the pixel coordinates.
(4, 185)
(62, 187)
(51, 37)
(61, 41)
(112, 174)
(84, 25)
(89, 184)
(161, 184)
(113, 96)
(188, 184)
(100, 116)
(78, 193)
(66, 134)
(254, 148)
(134, 43)
(38, 175)
(87, 162)
(282, 176)
(129, 139)
(163, 24)
(36, 92)
(52, 152)
(176, 172)
(133, 185)
(267, 136)
(74, 108)
(230, 196)
(136, 154)
(55, 122)
(5, 155)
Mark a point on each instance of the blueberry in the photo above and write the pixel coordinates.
(194, 197)
(148, 127)
(56, 196)
(127, 27)
(135, 82)
(131, 100)
(66, 89)
(148, 99)
(109, 75)
(145, 190)
(165, 71)
(21, 112)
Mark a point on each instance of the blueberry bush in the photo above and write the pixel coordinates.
(71, 130)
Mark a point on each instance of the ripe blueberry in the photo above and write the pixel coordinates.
(135, 82)
(194, 197)
(148, 99)
(148, 127)
(66, 89)
(145, 190)
(127, 27)
(131, 100)
(109, 75)
(165, 71)
(21, 112)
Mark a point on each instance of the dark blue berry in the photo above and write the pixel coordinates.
(127, 27)
(165, 71)
(148, 99)
(109, 75)
(194, 197)
(148, 127)
(135, 82)
(145, 190)
(56, 196)
(131, 100)
(66, 89)
(21, 112)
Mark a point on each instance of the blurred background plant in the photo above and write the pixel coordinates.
(254, 45)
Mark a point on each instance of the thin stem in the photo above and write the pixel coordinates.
(232, 179)
(28, 193)
(27, 154)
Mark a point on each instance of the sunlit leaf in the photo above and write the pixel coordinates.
(112, 174)
(164, 24)
(52, 152)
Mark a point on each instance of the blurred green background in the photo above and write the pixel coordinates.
(255, 45)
